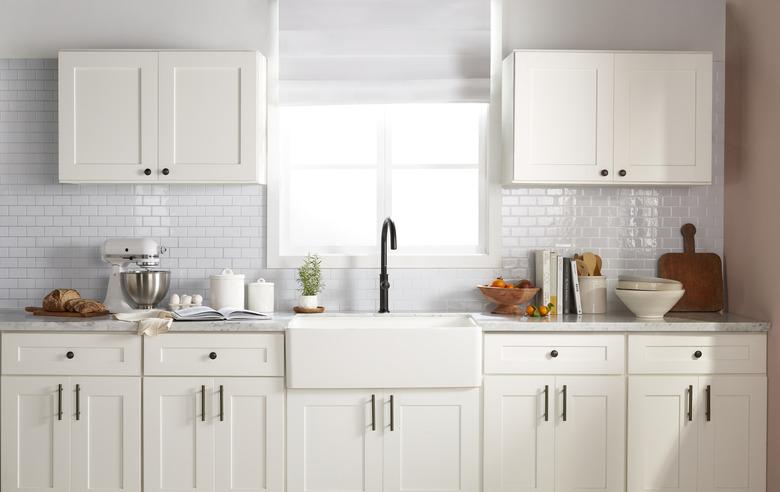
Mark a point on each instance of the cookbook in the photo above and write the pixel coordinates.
(205, 313)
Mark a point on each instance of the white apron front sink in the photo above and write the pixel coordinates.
(383, 351)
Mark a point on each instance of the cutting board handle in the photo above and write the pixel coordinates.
(689, 243)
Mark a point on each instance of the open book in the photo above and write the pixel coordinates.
(205, 313)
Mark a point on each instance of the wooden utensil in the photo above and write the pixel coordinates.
(590, 263)
(582, 269)
(597, 271)
(700, 273)
(39, 311)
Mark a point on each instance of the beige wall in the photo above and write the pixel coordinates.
(752, 212)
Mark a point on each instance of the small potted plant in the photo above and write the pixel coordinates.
(310, 281)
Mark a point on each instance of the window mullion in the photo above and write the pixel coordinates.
(386, 161)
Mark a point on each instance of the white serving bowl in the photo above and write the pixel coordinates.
(630, 282)
(649, 303)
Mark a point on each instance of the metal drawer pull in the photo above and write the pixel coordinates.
(212, 355)
(70, 355)
(392, 413)
(78, 402)
(546, 402)
(554, 354)
(564, 403)
(203, 403)
(690, 403)
(373, 412)
(709, 403)
(697, 354)
(59, 402)
(221, 403)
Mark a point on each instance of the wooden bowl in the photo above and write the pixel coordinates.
(507, 300)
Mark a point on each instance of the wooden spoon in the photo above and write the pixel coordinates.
(597, 271)
(582, 269)
(590, 263)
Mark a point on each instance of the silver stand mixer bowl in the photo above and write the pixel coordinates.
(145, 288)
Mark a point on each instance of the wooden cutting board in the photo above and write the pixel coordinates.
(38, 311)
(700, 273)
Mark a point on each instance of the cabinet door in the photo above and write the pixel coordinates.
(431, 440)
(107, 116)
(663, 117)
(106, 434)
(178, 435)
(331, 442)
(212, 128)
(562, 117)
(519, 440)
(36, 434)
(662, 434)
(249, 434)
(732, 433)
(590, 436)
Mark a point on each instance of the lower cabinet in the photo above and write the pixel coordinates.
(71, 433)
(554, 433)
(697, 433)
(383, 440)
(207, 434)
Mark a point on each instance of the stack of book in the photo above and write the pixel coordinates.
(556, 276)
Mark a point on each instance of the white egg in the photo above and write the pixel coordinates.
(185, 299)
(197, 299)
(175, 299)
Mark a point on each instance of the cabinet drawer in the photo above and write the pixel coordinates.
(697, 354)
(223, 354)
(554, 354)
(71, 353)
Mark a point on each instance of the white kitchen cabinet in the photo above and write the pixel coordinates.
(383, 440)
(431, 441)
(600, 117)
(212, 116)
(554, 433)
(36, 434)
(71, 434)
(519, 434)
(205, 434)
(107, 115)
(249, 434)
(105, 420)
(732, 433)
(178, 438)
(682, 439)
(334, 440)
(162, 116)
(558, 116)
(663, 117)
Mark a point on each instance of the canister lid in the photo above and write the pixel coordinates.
(228, 273)
(261, 281)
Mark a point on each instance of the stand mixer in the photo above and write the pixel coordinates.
(131, 290)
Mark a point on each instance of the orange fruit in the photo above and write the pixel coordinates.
(499, 282)
(530, 309)
(543, 310)
(509, 286)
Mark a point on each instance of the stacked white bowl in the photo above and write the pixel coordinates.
(648, 297)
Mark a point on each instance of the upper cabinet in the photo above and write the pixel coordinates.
(607, 117)
(168, 116)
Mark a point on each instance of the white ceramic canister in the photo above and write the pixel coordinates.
(227, 290)
(260, 296)
(593, 293)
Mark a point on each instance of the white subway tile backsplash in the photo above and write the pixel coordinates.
(50, 233)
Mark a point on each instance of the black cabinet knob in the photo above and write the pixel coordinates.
(148, 171)
(697, 354)
(554, 354)
(213, 355)
(622, 172)
(70, 355)
(604, 172)
(165, 171)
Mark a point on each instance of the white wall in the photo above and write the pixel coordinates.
(38, 28)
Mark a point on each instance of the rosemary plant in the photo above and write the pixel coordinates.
(310, 276)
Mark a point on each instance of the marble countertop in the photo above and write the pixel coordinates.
(18, 320)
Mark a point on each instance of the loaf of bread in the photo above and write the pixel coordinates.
(85, 306)
(56, 299)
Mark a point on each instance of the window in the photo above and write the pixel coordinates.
(344, 168)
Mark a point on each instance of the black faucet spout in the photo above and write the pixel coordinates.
(384, 279)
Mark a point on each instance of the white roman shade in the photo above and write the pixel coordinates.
(383, 51)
